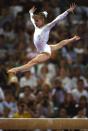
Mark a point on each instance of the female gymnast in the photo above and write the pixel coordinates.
(41, 36)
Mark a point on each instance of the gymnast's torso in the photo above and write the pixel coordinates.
(41, 36)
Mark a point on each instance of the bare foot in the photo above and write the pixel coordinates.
(76, 38)
(12, 71)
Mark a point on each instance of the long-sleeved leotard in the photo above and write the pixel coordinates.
(41, 35)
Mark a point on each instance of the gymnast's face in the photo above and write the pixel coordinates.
(39, 22)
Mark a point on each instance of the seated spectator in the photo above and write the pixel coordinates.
(9, 34)
(69, 104)
(46, 90)
(80, 114)
(57, 93)
(6, 112)
(43, 69)
(83, 104)
(27, 94)
(28, 80)
(22, 111)
(79, 91)
(9, 103)
(77, 74)
(63, 113)
(65, 79)
(45, 108)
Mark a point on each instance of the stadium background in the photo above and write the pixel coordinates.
(57, 88)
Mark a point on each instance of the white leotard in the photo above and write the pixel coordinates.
(41, 35)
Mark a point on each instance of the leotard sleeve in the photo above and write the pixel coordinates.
(58, 18)
(31, 17)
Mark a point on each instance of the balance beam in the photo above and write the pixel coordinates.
(43, 123)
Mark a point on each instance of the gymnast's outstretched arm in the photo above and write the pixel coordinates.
(61, 17)
(31, 12)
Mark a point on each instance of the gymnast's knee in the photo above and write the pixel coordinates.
(33, 62)
(65, 41)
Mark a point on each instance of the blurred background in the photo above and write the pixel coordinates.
(57, 88)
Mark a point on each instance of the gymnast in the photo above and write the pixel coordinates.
(41, 36)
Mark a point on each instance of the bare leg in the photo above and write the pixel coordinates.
(64, 42)
(38, 59)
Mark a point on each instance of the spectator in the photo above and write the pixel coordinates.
(65, 79)
(69, 104)
(28, 80)
(58, 93)
(79, 91)
(27, 94)
(83, 104)
(22, 111)
(44, 108)
(77, 74)
(9, 104)
(63, 113)
(80, 114)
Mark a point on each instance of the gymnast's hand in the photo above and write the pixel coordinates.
(72, 7)
(32, 10)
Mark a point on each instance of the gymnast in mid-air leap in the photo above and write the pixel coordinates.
(41, 36)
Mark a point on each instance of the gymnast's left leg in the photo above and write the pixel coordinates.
(64, 42)
(38, 59)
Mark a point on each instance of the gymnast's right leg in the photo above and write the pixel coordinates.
(64, 42)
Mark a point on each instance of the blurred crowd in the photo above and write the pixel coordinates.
(57, 88)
